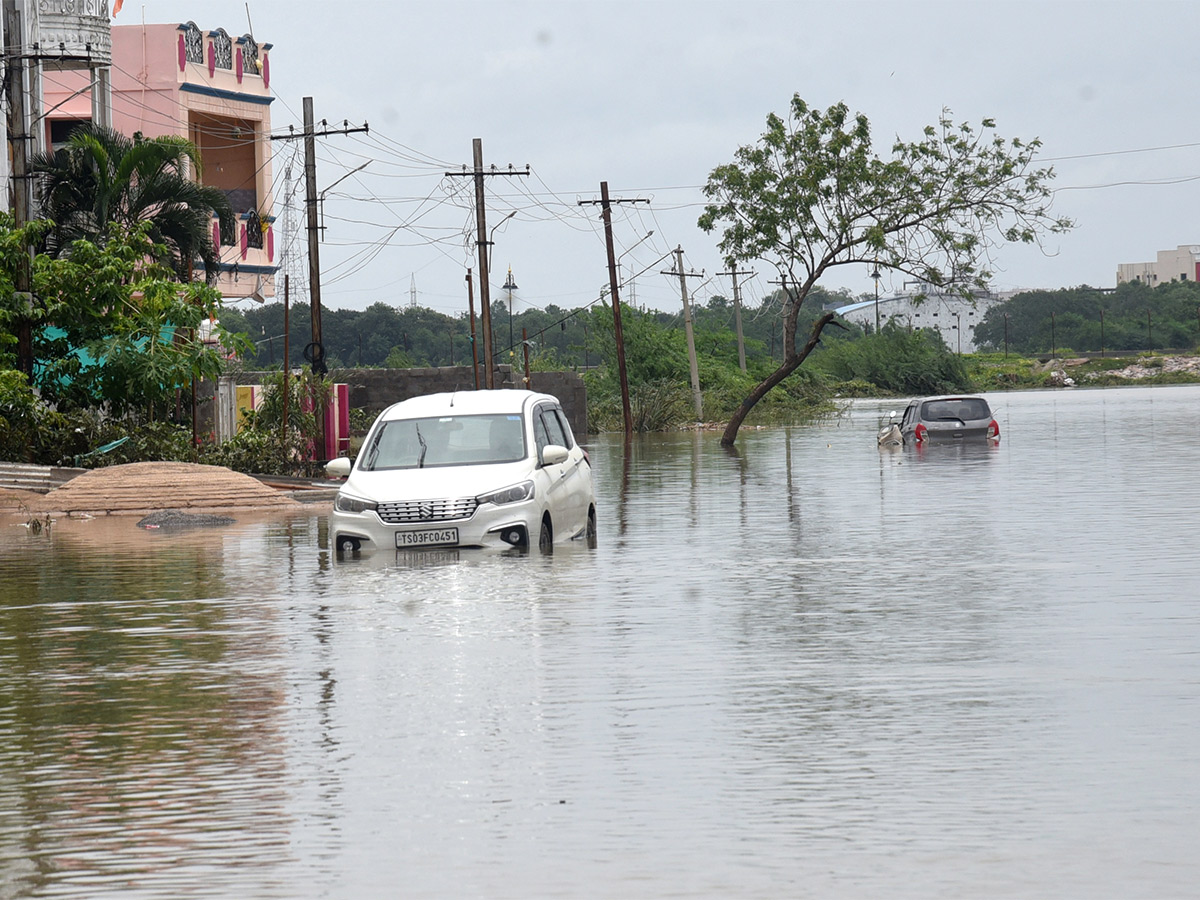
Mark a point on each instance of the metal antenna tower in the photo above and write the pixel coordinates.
(292, 262)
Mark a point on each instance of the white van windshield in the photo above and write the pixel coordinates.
(444, 441)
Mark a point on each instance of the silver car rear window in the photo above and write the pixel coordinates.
(963, 408)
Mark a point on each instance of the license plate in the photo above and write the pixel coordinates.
(430, 538)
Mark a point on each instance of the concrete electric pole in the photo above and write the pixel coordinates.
(737, 312)
(481, 244)
(697, 397)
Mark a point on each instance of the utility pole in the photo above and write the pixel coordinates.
(606, 212)
(697, 397)
(787, 300)
(314, 258)
(481, 243)
(737, 312)
(474, 351)
(485, 295)
(22, 187)
(287, 348)
(315, 351)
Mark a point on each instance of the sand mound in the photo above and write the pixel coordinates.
(142, 488)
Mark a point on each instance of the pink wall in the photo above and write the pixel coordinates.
(146, 84)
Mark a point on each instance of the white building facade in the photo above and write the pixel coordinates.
(1180, 264)
(951, 315)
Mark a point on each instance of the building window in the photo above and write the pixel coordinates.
(222, 49)
(61, 131)
(193, 43)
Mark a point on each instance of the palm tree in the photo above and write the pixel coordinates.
(101, 177)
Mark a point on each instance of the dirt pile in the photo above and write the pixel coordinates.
(142, 488)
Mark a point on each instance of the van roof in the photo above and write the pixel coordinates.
(464, 403)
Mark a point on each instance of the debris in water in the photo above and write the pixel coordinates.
(173, 518)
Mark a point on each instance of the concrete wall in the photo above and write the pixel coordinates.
(376, 389)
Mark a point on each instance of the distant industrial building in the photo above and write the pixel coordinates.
(1180, 264)
(924, 306)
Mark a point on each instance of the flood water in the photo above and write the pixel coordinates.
(811, 669)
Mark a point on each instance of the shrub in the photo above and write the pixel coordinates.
(897, 360)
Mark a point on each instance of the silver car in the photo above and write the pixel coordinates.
(948, 420)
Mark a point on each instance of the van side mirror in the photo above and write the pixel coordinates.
(553, 454)
(338, 468)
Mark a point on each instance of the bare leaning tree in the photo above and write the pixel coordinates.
(811, 195)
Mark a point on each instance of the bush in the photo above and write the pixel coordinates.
(255, 451)
(261, 446)
(23, 420)
(897, 360)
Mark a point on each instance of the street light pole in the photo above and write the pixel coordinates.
(321, 197)
(510, 286)
(875, 275)
(485, 298)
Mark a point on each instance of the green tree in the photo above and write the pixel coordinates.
(812, 195)
(102, 178)
(109, 324)
(1133, 318)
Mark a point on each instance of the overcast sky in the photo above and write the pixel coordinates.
(650, 96)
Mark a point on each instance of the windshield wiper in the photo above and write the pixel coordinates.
(424, 447)
(372, 455)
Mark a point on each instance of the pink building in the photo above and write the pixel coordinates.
(213, 89)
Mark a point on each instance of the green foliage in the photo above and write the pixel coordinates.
(655, 406)
(1134, 317)
(393, 337)
(109, 324)
(263, 444)
(101, 178)
(811, 194)
(896, 360)
(255, 451)
(23, 420)
(31, 432)
(660, 396)
(397, 359)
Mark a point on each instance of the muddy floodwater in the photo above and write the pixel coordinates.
(811, 669)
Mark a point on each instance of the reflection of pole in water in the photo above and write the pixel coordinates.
(695, 498)
(624, 495)
(793, 516)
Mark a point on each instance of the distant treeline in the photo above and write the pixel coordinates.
(383, 335)
(1132, 318)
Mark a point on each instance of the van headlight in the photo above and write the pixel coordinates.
(346, 503)
(514, 494)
